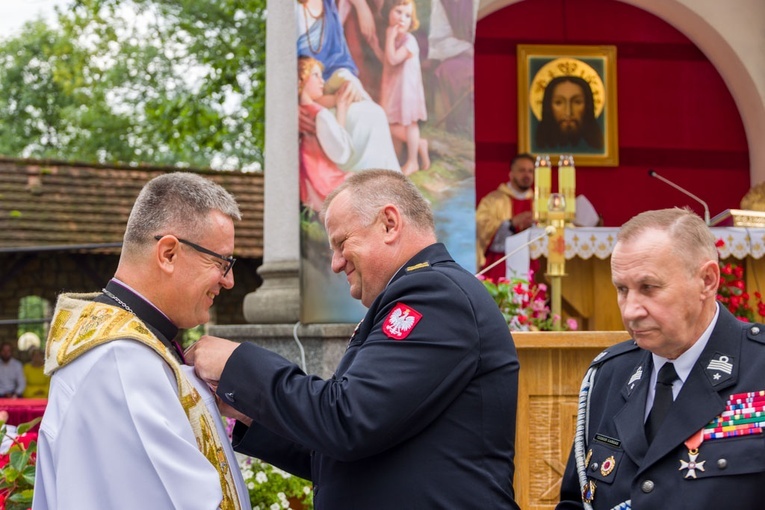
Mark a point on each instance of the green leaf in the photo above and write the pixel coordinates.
(24, 427)
(24, 496)
(18, 458)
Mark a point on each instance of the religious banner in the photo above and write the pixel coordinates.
(383, 84)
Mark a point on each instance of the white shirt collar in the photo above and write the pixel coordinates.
(684, 363)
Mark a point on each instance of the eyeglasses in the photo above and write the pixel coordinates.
(231, 260)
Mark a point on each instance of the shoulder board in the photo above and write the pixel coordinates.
(756, 332)
(614, 351)
(417, 267)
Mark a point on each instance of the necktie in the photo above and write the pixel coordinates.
(662, 401)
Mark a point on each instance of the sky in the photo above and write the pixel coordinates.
(14, 13)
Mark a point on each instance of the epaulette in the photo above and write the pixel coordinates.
(756, 332)
(417, 267)
(614, 351)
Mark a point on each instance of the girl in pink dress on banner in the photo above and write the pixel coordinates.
(401, 93)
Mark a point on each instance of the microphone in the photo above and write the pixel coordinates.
(549, 230)
(697, 199)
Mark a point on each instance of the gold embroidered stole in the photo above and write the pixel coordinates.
(80, 324)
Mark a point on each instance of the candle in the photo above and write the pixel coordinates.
(542, 185)
(567, 184)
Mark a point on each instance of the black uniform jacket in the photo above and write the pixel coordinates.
(624, 467)
(420, 413)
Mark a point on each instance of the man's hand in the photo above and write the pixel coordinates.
(522, 221)
(209, 356)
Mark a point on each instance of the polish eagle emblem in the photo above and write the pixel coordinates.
(400, 321)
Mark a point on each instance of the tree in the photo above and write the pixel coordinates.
(162, 82)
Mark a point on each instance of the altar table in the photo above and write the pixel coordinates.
(587, 292)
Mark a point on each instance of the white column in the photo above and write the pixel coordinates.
(278, 299)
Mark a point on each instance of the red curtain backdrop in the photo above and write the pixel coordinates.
(675, 113)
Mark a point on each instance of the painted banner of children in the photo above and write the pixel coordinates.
(363, 104)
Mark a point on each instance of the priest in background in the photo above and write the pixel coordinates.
(505, 211)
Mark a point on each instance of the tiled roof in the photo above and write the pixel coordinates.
(48, 204)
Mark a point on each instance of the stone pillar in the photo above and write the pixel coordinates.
(278, 299)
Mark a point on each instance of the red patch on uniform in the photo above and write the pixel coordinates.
(401, 321)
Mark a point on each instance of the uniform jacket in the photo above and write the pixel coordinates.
(624, 467)
(420, 413)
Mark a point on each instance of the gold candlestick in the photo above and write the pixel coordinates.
(556, 253)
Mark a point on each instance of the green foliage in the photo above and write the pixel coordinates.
(163, 82)
(17, 474)
(31, 308)
(190, 336)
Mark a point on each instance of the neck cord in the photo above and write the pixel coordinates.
(306, 12)
(118, 301)
(176, 345)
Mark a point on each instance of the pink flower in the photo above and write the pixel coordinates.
(572, 324)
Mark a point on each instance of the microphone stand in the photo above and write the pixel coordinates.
(678, 188)
(549, 230)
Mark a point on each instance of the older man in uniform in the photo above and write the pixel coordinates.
(421, 410)
(693, 374)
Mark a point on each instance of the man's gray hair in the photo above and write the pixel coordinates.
(692, 239)
(177, 203)
(371, 190)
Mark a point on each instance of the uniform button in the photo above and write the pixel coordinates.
(594, 466)
(755, 330)
(230, 396)
(647, 486)
(722, 463)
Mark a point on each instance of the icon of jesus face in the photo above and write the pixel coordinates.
(568, 105)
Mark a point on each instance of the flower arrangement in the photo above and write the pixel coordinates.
(731, 291)
(17, 465)
(271, 488)
(523, 303)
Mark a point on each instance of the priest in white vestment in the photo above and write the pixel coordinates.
(128, 425)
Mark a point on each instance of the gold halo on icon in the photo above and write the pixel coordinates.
(566, 66)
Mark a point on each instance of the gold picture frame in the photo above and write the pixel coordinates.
(571, 121)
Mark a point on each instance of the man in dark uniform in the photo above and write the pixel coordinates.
(420, 413)
(693, 375)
